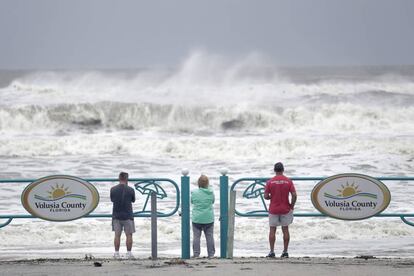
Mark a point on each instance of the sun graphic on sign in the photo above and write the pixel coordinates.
(348, 190)
(58, 192)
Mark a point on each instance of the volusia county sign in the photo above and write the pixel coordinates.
(60, 198)
(350, 196)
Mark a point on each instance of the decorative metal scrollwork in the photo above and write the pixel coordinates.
(254, 190)
(147, 187)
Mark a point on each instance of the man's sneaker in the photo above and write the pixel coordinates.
(271, 255)
(116, 255)
(284, 255)
(129, 255)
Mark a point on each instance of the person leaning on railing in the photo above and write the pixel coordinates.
(202, 217)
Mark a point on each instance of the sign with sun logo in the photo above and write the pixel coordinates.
(58, 192)
(60, 198)
(348, 190)
(350, 196)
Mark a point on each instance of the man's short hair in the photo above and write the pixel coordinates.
(279, 167)
(123, 176)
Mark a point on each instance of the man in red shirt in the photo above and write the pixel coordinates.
(280, 209)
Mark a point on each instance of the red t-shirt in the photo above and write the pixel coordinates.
(279, 188)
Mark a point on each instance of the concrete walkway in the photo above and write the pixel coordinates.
(195, 267)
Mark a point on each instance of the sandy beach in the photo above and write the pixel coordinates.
(202, 266)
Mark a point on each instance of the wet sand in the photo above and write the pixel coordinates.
(237, 266)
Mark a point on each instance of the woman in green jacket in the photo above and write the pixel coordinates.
(202, 217)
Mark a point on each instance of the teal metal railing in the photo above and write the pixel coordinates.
(255, 189)
(144, 186)
(185, 215)
(224, 219)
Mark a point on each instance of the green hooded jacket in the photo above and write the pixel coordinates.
(202, 200)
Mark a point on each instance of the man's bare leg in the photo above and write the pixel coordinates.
(129, 242)
(272, 238)
(286, 238)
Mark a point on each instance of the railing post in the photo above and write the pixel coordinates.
(224, 198)
(230, 235)
(185, 215)
(154, 241)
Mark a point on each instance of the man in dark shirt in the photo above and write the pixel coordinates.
(122, 197)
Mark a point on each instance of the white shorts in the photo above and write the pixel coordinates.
(281, 220)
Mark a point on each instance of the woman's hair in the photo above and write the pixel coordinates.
(203, 181)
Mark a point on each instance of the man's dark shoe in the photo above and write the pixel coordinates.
(284, 255)
(271, 255)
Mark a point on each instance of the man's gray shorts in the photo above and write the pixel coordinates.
(281, 220)
(128, 226)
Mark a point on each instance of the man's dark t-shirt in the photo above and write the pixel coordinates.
(122, 196)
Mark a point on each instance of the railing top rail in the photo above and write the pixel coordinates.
(297, 178)
(319, 178)
(324, 177)
(88, 179)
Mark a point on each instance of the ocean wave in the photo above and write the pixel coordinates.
(230, 149)
(339, 117)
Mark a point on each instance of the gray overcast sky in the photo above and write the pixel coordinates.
(129, 34)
